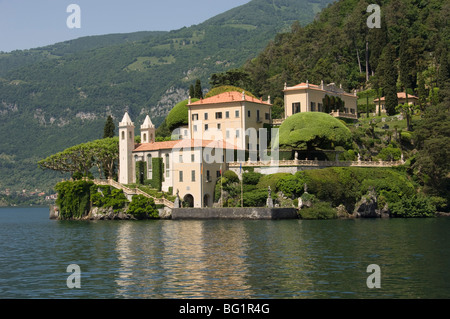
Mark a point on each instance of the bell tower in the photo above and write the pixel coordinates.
(147, 131)
(126, 147)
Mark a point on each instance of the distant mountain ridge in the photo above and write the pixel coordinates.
(60, 95)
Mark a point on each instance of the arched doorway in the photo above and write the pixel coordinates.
(206, 201)
(188, 200)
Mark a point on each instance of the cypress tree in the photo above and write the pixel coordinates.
(109, 128)
(390, 79)
(198, 92)
(191, 91)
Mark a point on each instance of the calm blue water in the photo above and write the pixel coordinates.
(222, 259)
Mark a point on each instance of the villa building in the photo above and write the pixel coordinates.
(226, 128)
(401, 96)
(219, 132)
(306, 97)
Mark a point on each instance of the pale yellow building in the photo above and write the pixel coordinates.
(306, 97)
(221, 129)
(401, 96)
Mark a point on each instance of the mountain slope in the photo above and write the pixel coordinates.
(62, 96)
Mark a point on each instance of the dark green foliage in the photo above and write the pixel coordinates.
(157, 173)
(251, 178)
(389, 75)
(271, 180)
(73, 198)
(290, 185)
(346, 185)
(413, 206)
(255, 198)
(142, 207)
(107, 196)
(109, 129)
(198, 92)
(432, 138)
(141, 172)
(319, 210)
(231, 176)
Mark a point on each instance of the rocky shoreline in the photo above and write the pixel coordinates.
(108, 213)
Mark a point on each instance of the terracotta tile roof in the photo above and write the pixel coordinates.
(185, 143)
(400, 95)
(228, 97)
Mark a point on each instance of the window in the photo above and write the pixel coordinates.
(319, 107)
(218, 126)
(192, 158)
(195, 128)
(206, 116)
(123, 135)
(228, 133)
(258, 119)
(217, 173)
(267, 116)
(129, 135)
(218, 115)
(167, 161)
(195, 117)
(180, 159)
(145, 137)
(237, 133)
(295, 107)
(185, 132)
(193, 176)
(248, 113)
(208, 176)
(181, 176)
(206, 127)
(227, 114)
(236, 113)
(313, 106)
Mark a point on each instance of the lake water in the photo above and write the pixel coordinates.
(222, 258)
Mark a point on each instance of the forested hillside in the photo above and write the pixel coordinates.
(54, 97)
(339, 47)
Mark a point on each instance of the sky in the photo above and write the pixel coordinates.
(26, 24)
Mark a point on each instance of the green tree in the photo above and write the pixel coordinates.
(109, 128)
(389, 79)
(143, 207)
(198, 92)
(191, 91)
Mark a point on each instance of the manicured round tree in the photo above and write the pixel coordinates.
(313, 130)
(178, 115)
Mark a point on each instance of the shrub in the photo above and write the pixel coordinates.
(106, 196)
(256, 198)
(73, 198)
(251, 178)
(413, 206)
(178, 115)
(290, 185)
(313, 130)
(142, 207)
(319, 210)
(271, 180)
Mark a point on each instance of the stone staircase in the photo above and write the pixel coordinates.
(130, 192)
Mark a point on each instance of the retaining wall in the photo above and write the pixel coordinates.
(234, 213)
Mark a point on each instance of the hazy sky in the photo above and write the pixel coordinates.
(26, 24)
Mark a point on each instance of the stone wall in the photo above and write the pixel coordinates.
(234, 213)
